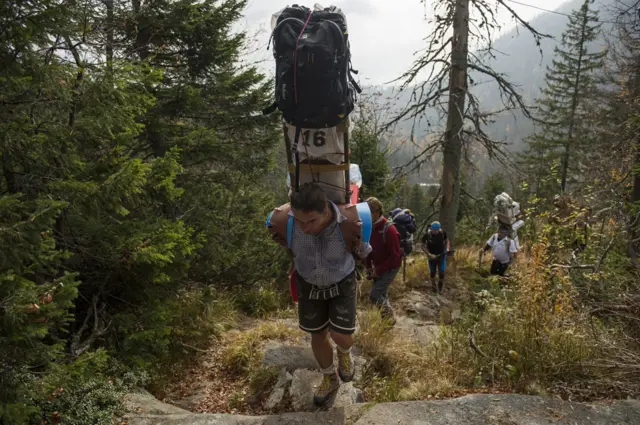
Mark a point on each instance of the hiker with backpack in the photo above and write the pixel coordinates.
(436, 245)
(385, 260)
(325, 241)
(504, 251)
(315, 91)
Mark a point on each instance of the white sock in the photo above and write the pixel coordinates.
(328, 371)
(342, 350)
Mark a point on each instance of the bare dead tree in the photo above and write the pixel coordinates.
(439, 80)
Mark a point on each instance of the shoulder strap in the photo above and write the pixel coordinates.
(386, 226)
(364, 213)
(290, 231)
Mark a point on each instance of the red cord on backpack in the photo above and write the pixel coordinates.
(295, 58)
(292, 286)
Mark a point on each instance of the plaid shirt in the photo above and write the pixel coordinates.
(322, 259)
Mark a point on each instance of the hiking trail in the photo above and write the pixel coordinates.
(212, 395)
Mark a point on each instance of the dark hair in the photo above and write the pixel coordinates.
(309, 197)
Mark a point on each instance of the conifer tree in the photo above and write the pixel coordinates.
(565, 103)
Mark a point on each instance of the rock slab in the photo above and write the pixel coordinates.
(276, 396)
(143, 402)
(289, 357)
(508, 409)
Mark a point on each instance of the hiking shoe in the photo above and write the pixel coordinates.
(326, 388)
(346, 368)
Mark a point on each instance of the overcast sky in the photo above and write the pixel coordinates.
(384, 34)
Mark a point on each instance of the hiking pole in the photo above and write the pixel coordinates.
(404, 268)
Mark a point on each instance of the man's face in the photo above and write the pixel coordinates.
(502, 234)
(311, 222)
(435, 231)
(375, 215)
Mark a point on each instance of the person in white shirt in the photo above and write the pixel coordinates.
(504, 251)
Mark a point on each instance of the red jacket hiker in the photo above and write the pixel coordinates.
(385, 256)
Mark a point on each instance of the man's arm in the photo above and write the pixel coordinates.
(368, 262)
(488, 246)
(513, 250)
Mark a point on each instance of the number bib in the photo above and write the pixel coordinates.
(319, 143)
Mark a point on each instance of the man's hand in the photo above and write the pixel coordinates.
(371, 273)
(432, 256)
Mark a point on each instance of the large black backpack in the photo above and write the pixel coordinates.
(405, 223)
(314, 86)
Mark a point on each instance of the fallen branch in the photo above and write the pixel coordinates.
(194, 348)
(472, 344)
(78, 347)
(577, 266)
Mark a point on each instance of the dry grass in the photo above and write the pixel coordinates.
(530, 334)
(399, 369)
(243, 352)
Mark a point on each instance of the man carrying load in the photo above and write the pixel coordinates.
(325, 241)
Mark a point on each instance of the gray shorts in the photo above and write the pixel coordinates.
(337, 311)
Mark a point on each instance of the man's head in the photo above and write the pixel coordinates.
(376, 208)
(435, 227)
(503, 232)
(310, 208)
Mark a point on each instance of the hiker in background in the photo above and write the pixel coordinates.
(581, 231)
(504, 251)
(405, 223)
(385, 260)
(325, 243)
(436, 244)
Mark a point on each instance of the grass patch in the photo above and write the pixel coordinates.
(263, 379)
(244, 352)
(262, 301)
(398, 368)
(529, 331)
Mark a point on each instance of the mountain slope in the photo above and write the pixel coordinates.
(520, 60)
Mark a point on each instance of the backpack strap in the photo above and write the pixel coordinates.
(388, 224)
(364, 212)
(289, 231)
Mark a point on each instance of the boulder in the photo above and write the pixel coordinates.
(289, 357)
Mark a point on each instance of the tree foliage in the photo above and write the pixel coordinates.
(130, 150)
(568, 103)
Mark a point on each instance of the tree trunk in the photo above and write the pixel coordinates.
(634, 245)
(574, 105)
(453, 136)
(110, 30)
